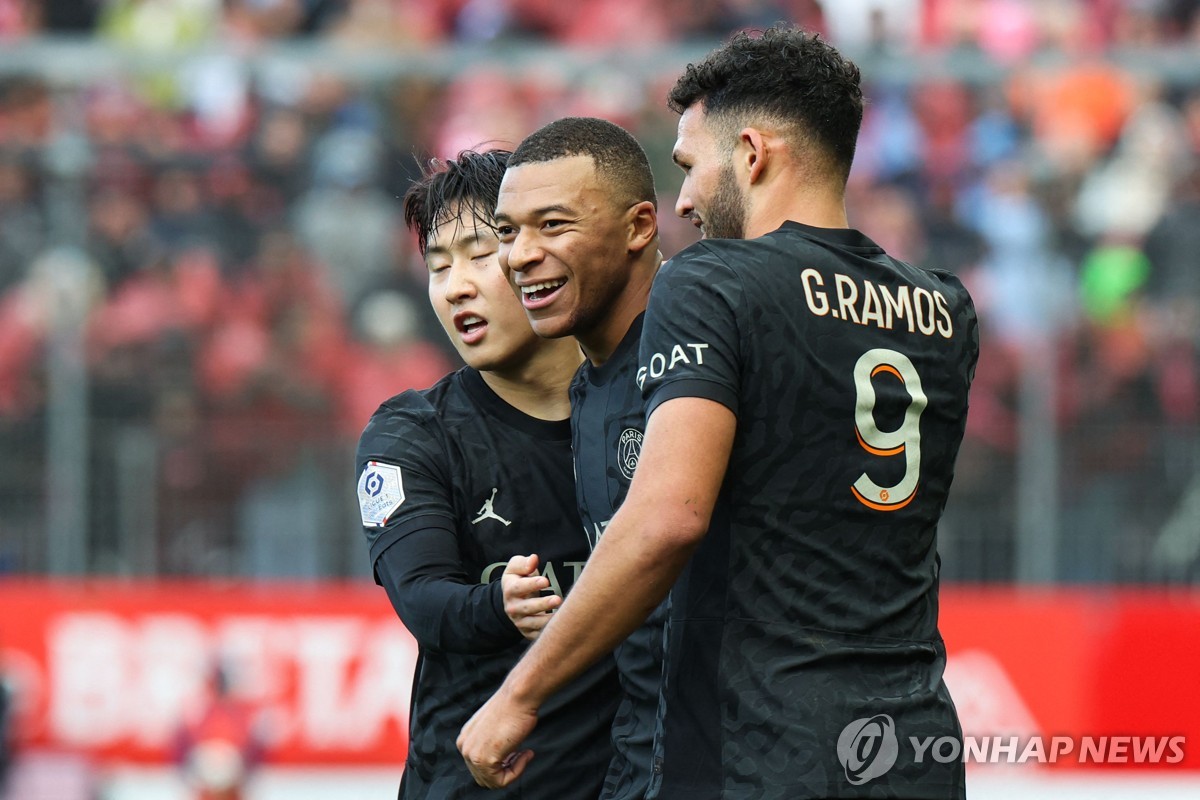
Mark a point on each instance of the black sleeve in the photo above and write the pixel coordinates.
(405, 495)
(424, 578)
(403, 473)
(690, 341)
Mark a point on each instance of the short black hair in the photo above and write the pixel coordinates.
(455, 189)
(616, 154)
(785, 73)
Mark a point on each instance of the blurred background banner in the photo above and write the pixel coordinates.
(1080, 665)
(206, 288)
(113, 670)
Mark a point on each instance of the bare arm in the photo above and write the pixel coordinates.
(666, 514)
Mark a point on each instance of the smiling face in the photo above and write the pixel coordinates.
(710, 195)
(472, 299)
(564, 244)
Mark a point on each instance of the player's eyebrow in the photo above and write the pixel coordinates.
(537, 213)
(556, 208)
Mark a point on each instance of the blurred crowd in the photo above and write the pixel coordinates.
(1005, 28)
(227, 246)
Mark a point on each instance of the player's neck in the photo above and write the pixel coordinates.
(605, 337)
(538, 387)
(781, 203)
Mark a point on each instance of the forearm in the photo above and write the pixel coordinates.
(606, 603)
(459, 619)
(439, 607)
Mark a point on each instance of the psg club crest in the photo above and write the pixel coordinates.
(629, 450)
(380, 493)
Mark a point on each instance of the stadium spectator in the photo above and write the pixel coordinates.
(1013, 156)
(221, 743)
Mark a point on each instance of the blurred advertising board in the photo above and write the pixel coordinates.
(113, 668)
(1113, 674)
(1103, 677)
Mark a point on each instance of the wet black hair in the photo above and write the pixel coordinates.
(462, 189)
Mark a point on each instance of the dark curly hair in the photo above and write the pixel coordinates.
(786, 73)
(462, 189)
(617, 155)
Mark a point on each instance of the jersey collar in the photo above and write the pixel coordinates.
(491, 404)
(847, 238)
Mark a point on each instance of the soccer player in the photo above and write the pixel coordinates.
(456, 479)
(578, 229)
(806, 395)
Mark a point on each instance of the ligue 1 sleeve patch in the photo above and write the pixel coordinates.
(380, 493)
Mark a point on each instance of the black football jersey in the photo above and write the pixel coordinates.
(458, 460)
(802, 647)
(606, 428)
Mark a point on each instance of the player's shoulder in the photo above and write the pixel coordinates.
(942, 281)
(706, 265)
(950, 281)
(410, 406)
(709, 255)
(732, 257)
(410, 414)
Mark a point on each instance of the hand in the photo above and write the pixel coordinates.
(524, 602)
(489, 740)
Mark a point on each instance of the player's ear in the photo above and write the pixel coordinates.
(751, 153)
(643, 226)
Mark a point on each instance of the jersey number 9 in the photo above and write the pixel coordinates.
(904, 441)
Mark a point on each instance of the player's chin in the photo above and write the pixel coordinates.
(553, 326)
(474, 355)
(482, 361)
(492, 357)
